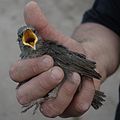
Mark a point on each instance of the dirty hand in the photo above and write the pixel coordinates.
(42, 76)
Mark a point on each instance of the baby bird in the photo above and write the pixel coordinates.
(32, 45)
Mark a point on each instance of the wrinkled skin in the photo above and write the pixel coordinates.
(43, 76)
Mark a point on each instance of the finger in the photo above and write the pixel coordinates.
(39, 86)
(34, 16)
(82, 100)
(25, 69)
(54, 107)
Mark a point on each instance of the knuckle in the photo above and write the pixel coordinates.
(68, 90)
(41, 64)
(44, 86)
(35, 67)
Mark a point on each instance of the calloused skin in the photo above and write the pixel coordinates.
(95, 41)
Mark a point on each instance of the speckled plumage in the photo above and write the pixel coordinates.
(69, 61)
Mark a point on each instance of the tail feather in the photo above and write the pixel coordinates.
(98, 99)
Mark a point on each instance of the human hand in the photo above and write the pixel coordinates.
(43, 77)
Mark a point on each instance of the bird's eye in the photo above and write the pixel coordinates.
(33, 30)
(20, 35)
(21, 31)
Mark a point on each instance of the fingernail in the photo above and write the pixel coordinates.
(76, 77)
(57, 73)
(47, 60)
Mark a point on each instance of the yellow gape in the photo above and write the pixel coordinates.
(29, 38)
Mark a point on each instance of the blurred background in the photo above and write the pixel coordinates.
(65, 15)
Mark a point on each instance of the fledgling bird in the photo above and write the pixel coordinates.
(32, 45)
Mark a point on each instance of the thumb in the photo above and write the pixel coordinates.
(34, 16)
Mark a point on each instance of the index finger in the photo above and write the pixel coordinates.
(25, 69)
(34, 16)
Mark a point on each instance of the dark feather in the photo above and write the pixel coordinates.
(69, 61)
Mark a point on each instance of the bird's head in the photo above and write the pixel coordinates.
(27, 35)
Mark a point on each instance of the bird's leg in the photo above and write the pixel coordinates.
(36, 107)
(52, 94)
(30, 105)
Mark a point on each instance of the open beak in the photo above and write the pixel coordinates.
(29, 38)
